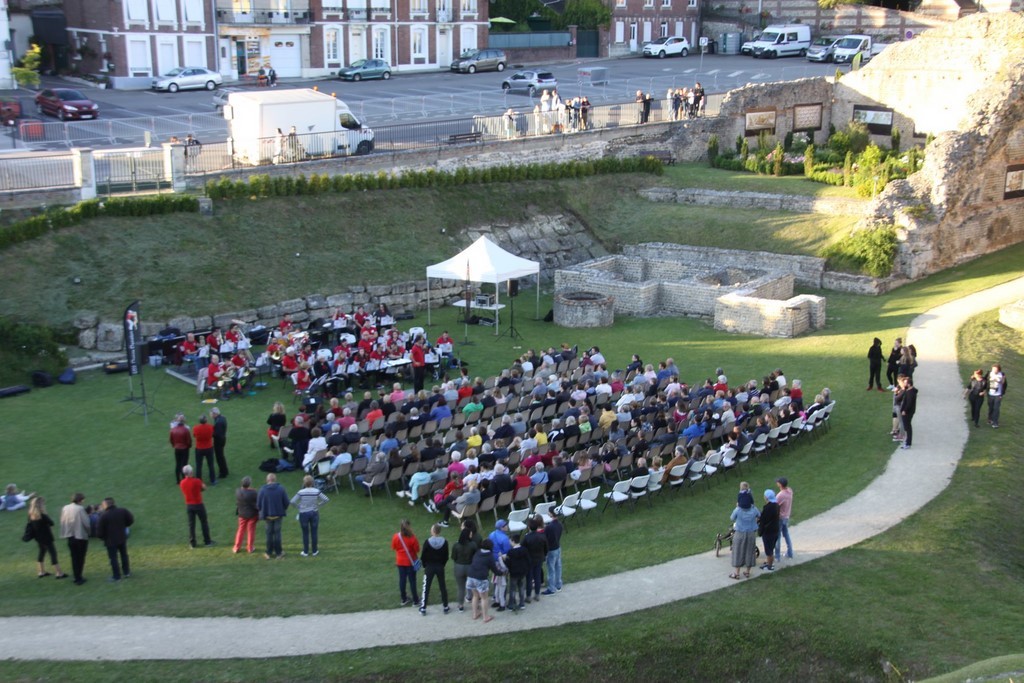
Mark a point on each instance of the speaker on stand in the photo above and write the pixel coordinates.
(513, 291)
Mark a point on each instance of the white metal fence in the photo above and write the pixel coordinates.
(34, 170)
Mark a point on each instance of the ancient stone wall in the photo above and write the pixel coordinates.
(757, 200)
(807, 270)
(746, 313)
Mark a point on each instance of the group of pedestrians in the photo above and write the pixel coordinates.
(78, 524)
(770, 523)
(987, 387)
(501, 571)
(210, 438)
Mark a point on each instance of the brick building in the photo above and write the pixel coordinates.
(132, 40)
(635, 22)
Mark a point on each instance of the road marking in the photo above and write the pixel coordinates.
(759, 76)
(734, 74)
(690, 71)
(713, 72)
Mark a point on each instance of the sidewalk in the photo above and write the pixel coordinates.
(911, 480)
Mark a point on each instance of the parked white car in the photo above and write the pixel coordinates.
(667, 47)
(187, 77)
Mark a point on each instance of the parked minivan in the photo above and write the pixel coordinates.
(472, 61)
(783, 41)
(822, 49)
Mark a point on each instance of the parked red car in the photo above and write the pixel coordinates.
(66, 104)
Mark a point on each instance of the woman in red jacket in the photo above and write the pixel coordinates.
(407, 549)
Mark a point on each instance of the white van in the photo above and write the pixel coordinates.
(787, 40)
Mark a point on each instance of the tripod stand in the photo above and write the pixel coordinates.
(511, 331)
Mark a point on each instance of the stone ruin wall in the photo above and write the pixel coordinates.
(972, 99)
(745, 292)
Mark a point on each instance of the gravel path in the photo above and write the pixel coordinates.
(911, 479)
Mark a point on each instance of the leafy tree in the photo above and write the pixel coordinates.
(517, 10)
(585, 14)
(28, 72)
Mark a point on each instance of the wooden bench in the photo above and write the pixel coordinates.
(459, 138)
(662, 155)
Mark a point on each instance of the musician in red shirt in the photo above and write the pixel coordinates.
(302, 378)
(213, 371)
(203, 435)
(360, 316)
(285, 326)
(289, 364)
(419, 364)
(215, 339)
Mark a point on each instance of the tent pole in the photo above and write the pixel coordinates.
(428, 301)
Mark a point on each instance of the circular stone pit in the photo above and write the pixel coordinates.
(584, 309)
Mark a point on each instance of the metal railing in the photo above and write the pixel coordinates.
(34, 170)
(510, 41)
(148, 168)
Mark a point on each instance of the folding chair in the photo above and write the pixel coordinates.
(638, 490)
(378, 479)
(569, 506)
(517, 520)
(618, 495)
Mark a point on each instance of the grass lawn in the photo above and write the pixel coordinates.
(245, 256)
(930, 596)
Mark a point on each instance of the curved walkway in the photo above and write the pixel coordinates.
(910, 481)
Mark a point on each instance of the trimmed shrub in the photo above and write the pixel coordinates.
(871, 252)
(712, 149)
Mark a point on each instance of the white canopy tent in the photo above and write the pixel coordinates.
(484, 261)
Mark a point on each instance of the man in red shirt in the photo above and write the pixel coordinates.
(203, 434)
(181, 442)
(419, 364)
(193, 488)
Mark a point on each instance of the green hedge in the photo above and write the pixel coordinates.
(58, 218)
(871, 252)
(287, 186)
(31, 347)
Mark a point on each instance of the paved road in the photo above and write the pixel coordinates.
(418, 97)
(912, 479)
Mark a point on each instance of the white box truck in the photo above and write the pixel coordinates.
(850, 46)
(278, 126)
(787, 40)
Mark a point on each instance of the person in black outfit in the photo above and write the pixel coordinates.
(42, 533)
(434, 557)
(220, 439)
(768, 528)
(536, 545)
(113, 529)
(893, 362)
(975, 394)
(875, 365)
(908, 406)
(517, 561)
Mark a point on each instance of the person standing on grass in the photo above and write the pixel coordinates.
(74, 526)
(272, 502)
(785, 500)
(308, 500)
(875, 365)
(908, 406)
(248, 514)
(181, 442)
(192, 488)
(407, 549)
(203, 435)
(42, 533)
(113, 529)
(768, 529)
(996, 391)
(553, 534)
(975, 392)
(435, 557)
(419, 364)
(220, 440)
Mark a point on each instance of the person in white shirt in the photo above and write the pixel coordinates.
(780, 378)
(596, 357)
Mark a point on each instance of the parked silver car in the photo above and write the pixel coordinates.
(220, 98)
(187, 77)
(472, 61)
(530, 81)
(822, 49)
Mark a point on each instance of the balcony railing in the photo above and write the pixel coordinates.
(264, 12)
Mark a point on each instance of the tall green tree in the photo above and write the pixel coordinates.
(28, 72)
(586, 14)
